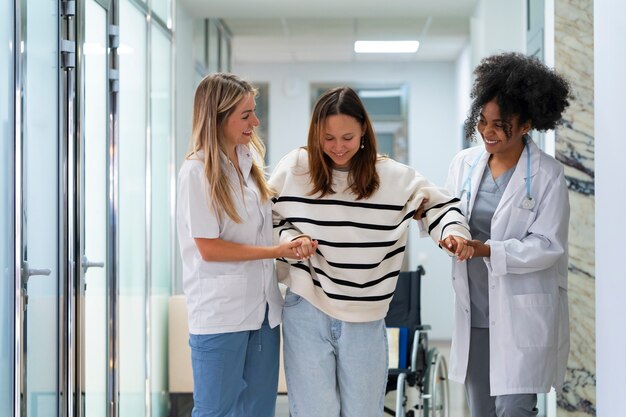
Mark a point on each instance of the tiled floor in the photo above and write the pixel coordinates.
(458, 407)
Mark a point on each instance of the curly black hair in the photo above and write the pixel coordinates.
(522, 86)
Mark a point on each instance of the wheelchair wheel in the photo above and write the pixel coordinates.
(436, 393)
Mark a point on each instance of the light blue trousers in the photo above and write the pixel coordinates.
(333, 368)
(235, 374)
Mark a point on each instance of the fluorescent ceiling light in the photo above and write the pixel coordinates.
(386, 47)
(380, 93)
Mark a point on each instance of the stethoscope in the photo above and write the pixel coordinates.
(528, 202)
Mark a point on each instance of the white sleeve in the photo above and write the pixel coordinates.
(443, 216)
(200, 218)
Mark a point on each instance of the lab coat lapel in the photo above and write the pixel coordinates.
(477, 175)
(517, 184)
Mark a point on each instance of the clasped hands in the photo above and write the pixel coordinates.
(303, 247)
(458, 247)
(300, 248)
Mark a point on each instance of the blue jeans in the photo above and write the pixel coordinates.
(333, 368)
(235, 374)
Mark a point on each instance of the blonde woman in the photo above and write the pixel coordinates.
(225, 234)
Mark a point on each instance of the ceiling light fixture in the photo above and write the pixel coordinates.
(386, 47)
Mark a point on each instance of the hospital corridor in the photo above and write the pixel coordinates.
(97, 118)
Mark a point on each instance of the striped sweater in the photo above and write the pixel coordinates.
(361, 243)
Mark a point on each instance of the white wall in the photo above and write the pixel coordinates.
(497, 26)
(434, 137)
(610, 150)
(463, 83)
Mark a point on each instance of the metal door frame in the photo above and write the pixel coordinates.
(111, 211)
(112, 313)
(70, 129)
(17, 208)
(65, 204)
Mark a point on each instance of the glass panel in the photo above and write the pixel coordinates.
(213, 47)
(132, 210)
(161, 124)
(40, 199)
(385, 143)
(94, 209)
(383, 105)
(199, 45)
(224, 52)
(163, 9)
(6, 213)
(263, 113)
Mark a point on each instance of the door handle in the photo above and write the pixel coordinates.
(29, 272)
(85, 263)
(34, 271)
(26, 274)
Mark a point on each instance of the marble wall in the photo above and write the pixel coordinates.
(575, 149)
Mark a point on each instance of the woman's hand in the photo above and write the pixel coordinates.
(480, 248)
(306, 247)
(420, 210)
(301, 248)
(458, 246)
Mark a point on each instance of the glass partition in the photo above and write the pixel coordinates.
(7, 279)
(94, 206)
(40, 213)
(132, 210)
(161, 220)
(213, 47)
(225, 63)
(163, 9)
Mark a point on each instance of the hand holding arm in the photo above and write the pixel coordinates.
(420, 210)
(219, 250)
(480, 249)
(305, 249)
(458, 246)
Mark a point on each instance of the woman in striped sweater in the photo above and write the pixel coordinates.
(351, 209)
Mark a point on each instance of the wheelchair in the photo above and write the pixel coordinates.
(421, 379)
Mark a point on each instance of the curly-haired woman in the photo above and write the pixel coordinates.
(511, 337)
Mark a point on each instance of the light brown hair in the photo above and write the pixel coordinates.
(363, 178)
(216, 97)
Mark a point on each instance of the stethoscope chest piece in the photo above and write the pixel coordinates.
(528, 203)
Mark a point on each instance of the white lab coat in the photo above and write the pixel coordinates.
(527, 273)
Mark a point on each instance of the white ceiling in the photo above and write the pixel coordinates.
(289, 31)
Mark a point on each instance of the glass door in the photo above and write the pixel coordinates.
(161, 216)
(39, 216)
(133, 263)
(7, 157)
(93, 186)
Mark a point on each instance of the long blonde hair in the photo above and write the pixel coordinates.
(216, 97)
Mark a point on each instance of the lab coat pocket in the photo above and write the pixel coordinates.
(224, 298)
(519, 222)
(533, 318)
